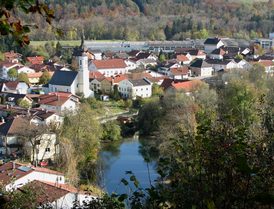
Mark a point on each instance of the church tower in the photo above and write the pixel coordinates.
(83, 76)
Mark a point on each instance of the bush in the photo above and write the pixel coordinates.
(111, 131)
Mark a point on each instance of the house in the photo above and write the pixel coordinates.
(95, 84)
(60, 102)
(211, 44)
(15, 99)
(268, 65)
(222, 65)
(15, 87)
(135, 88)
(59, 196)
(37, 60)
(242, 64)
(200, 67)
(146, 56)
(131, 65)
(134, 53)
(179, 73)
(49, 186)
(74, 82)
(24, 69)
(172, 86)
(5, 66)
(17, 135)
(217, 54)
(96, 54)
(144, 63)
(34, 78)
(14, 175)
(107, 86)
(36, 116)
(166, 67)
(109, 67)
(12, 56)
(191, 53)
(183, 59)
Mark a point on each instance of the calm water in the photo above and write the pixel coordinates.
(122, 157)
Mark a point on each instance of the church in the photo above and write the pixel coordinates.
(75, 82)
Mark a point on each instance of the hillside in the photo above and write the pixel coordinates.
(157, 19)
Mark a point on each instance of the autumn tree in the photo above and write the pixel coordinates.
(82, 132)
(44, 79)
(12, 73)
(23, 77)
(12, 24)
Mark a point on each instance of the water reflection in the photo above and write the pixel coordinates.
(127, 155)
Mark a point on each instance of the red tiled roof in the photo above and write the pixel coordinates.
(35, 60)
(119, 78)
(109, 64)
(95, 74)
(182, 58)
(179, 71)
(45, 193)
(11, 55)
(8, 173)
(180, 85)
(9, 64)
(53, 100)
(12, 85)
(186, 85)
(266, 63)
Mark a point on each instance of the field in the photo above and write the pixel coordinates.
(63, 43)
(68, 43)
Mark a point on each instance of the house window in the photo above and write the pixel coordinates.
(47, 149)
(147, 89)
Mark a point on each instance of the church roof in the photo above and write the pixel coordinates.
(63, 78)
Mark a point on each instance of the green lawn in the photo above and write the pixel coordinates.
(68, 43)
(64, 43)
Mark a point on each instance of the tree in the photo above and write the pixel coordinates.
(239, 57)
(23, 77)
(33, 135)
(157, 90)
(12, 73)
(111, 131)
(23, 103)
(44, 79)
(10, 23)
(116, 94)
(82, 137)
(162, 56)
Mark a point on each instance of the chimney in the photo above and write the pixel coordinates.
(2, 120)
(13, 165)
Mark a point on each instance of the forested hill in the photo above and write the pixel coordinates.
(159, 19)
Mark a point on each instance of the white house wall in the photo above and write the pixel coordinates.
(35, 175)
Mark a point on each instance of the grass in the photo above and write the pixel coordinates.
(68, 42)
(63, 43)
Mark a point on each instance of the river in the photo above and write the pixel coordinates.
(118, 158)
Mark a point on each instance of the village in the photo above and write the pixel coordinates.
(40, 93)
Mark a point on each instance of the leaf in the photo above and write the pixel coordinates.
(243, 166)
(124, 181)
(129, 172)
(265, 198)
(26, 29)
(122, 197)
(26, 40)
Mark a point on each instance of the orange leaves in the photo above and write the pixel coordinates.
(11, 25)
